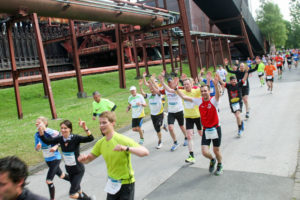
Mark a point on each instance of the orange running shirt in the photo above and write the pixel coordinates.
(269, 69)
(279, 61)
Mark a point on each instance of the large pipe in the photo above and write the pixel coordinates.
(84, 10)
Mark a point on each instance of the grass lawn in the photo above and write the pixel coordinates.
(17, 135)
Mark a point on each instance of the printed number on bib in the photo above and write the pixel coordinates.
(69, 158)
(112, 186)
(245, 83)
(235, 106)
(260, 73)
(269, 77)
(211, 133)
(278, 63)
(47, 153)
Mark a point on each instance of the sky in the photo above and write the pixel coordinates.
(283, 5)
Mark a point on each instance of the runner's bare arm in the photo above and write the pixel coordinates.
(183, 96)
(86, 158)
(140, 151)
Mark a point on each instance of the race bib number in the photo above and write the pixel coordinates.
(69, 158)
(113, 186)
(269, 77)
(278, 63)
(235, 106)
(211, 133)
(245, 83)
(260, 73)
(188, 104)
(47, 153)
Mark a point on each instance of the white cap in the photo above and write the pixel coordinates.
(132, 88)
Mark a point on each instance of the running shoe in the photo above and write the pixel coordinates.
(243, 127)
(212, 165)
(141, 142)
(219, 170)
(240, 133)
(175, 146)
(247, 115)
(165, 127)
(190, 160)
(159, 145)
(185, 143)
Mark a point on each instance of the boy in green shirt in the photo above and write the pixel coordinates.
(100, 105)
(116, 150)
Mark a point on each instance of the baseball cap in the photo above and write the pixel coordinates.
(132, 88)
(170, 79)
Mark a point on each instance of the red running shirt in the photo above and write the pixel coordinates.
(208, 111)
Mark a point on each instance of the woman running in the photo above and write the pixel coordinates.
(70, 145)
(51, 155)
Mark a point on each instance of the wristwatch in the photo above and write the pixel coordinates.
(127, 148)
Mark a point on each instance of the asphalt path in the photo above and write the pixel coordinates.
(259, 165)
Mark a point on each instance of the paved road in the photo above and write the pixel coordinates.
(260, 165)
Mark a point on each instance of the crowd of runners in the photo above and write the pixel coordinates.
(193, 103)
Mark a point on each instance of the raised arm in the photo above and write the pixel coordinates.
(89, 136)
(183, 96)
(144, 79)
(141, 88)
(216, 81)
(257, 60)
(161, 79)
(227, 68)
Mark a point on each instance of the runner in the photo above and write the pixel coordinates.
(260, 71)
(116, 150)
(296, 58)
(289, 59)
(156, 109)
(235, 99)
(222, 73)
(70, 146)
(269, 69)
(208, 107)
(279, 61)
(191, 115)
(206, 80)
(249, 63)
(175, 109)
(100, 105)
(240, 73)
(13, 175)
(51, 155)
(137, 103)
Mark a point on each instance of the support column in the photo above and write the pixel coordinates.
(14, 70)
(212, 53)
(138, 74)
(228, 49)
(198, 52)
(187, 38)
(145, 57)
(221, 50)
(76, 62)
(207, 53)
(120, 55)
(43, 63)
(171, 52)
(244, 30)
(162, 51)
(180, 55)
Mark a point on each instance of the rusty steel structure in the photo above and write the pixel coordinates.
(138, 27)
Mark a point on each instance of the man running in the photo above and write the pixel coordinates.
(175, 109)
(235, 99)
(279, 61)
(116, 150)
(289, 59)
(269, 69)
(191, 115)
(260, 71)
(296, 58)
(100, 105)
(240, 73)
(156, 109)
(13, 175)
(208, 107)
(137, 103)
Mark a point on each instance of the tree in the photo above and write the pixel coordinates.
(294, 32)
(271, 23)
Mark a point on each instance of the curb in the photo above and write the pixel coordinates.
(296, 190)
(42, 165)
